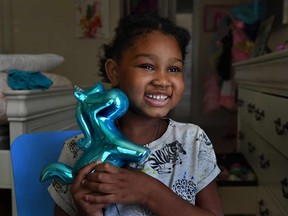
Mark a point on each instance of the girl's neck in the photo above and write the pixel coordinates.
(141, 130)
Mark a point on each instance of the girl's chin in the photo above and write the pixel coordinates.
(149, 113)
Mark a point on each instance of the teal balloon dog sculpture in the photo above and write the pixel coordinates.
(96, 113)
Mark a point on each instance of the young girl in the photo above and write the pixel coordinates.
(145, 60)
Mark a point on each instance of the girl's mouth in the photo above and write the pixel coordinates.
(157, 100)
(156, 97)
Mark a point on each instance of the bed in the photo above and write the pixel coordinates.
(24, 111)
(31, 111)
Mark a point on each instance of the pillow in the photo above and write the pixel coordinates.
(30, 63)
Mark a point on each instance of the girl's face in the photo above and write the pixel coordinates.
(150, 73)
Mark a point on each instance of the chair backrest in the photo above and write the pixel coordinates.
(30, 153)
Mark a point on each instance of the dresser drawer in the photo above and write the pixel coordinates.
(246, 105)
(267, 205)
(248, 145)
(272, 172)
(267, 115)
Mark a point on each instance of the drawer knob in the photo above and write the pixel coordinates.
(264, 163)
(241, 135)
(250, 108)
(259, 115)
(284, 185)
(240, 102)
(251, 147)
(279, 127)
(262, 210)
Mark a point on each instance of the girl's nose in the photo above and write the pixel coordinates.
(161, 80)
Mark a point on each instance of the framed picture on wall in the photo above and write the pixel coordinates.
(285, 12)
(278, 9)
(92, 18)
(260, 46)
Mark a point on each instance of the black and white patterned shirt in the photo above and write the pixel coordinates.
(183, 158)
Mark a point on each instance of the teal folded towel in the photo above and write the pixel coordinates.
(23, 80)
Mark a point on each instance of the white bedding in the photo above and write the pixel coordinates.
(30, 62)
(58, 81)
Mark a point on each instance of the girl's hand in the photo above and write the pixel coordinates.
(79, 191)
(118, 185)
(129, 186)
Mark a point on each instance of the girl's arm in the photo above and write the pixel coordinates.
(126, 186)
(163, 201)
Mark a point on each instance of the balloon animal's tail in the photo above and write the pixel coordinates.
(60, 171)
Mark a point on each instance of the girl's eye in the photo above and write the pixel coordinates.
(175, 69)
(147, 67)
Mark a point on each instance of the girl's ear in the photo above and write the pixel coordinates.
(111, 71)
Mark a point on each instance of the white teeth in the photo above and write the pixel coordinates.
(157, 97)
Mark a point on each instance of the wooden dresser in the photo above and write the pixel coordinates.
(263, 127)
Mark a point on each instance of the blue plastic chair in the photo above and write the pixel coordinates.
(30, 153)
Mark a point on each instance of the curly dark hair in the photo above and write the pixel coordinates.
(131, 27)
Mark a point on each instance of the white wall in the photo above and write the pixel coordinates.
(5, 26)
(49, 27)
(201, 58)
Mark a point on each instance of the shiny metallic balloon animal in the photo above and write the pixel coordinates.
(96, 113)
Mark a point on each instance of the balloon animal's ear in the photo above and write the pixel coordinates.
(111, 71)
(80, 96)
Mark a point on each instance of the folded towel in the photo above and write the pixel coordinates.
(22, 80)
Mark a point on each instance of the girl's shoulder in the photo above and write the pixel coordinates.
(183, 126)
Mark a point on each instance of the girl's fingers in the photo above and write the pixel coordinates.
(107, 167)
(105, 199)
(103, 188)
(84, 171)
(104, 172)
